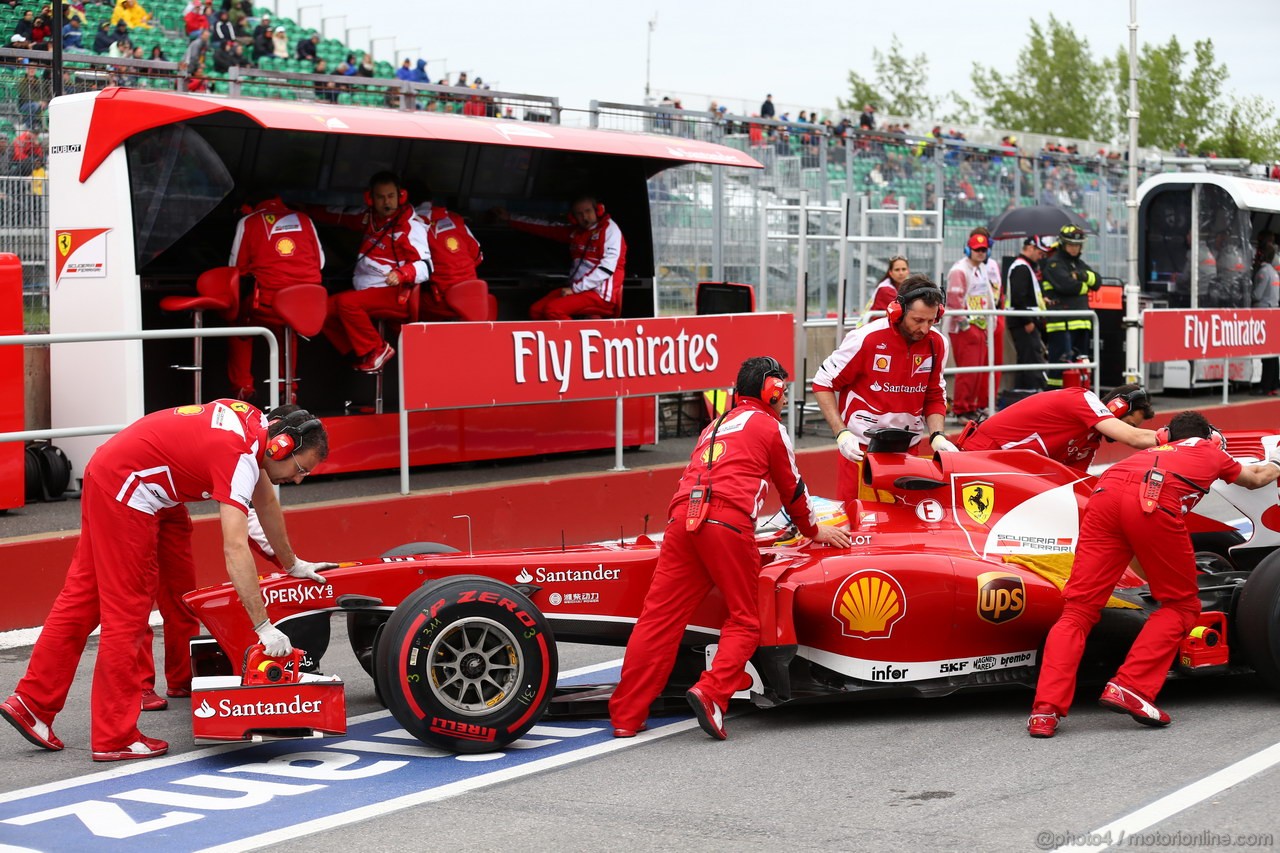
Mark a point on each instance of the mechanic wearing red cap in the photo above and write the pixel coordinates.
(1023, 293)
(710, 542)
(219, 450)
(1138, 509)
(972, 284)
(1066, 425)
(887, 373)
(279, 247)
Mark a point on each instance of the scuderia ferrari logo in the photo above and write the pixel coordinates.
(978, 500)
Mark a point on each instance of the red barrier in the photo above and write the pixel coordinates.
(12, 400)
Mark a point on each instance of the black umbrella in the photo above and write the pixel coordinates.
(1028, 221)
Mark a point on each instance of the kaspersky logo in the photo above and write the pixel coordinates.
(227, 708)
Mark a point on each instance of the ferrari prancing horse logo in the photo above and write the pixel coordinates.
(978, 500)
(64, 243)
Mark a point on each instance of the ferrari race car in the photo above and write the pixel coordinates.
(952, 583)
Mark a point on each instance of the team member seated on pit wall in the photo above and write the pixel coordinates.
(598, 262)
(222, 450)
(887, 290)
(175, 533)
(394, 256)
(1066, 425)
(1066, 281)
(1023, 293)
(279, 248)
(455, 254)
(709, 542)
(1138, 509)
(887, 373)
(973, 284)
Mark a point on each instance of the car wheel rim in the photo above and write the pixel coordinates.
(475, 667)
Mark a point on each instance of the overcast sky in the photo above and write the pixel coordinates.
(801, 52)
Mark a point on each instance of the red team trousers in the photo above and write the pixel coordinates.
(176, 576)
(553, 306)
(349, 325)
(1115, 529)
(111, 582)
(689, 565)
(970, 349)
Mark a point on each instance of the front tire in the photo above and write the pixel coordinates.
(1257, 620)
(467, 664)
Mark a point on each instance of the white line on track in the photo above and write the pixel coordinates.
(1181, 799)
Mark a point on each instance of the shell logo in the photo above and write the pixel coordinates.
(285, 247)
(188, 410)
(869, 604)
(714, 453)
(451, 244)
(880, 362)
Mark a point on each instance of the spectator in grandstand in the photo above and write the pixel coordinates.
(72, 38)
(196, 49)
(887, 373)
(41, 30)
(887, 290)
(420, 72)
(157, 54)
(1023, 293)
(225, 56)
(766, 109)
(198, 82)
(120, 49)
(365, 69)
(262, 39)
(326, 90)
(280, 43)
(103, 38)
(598, 258)
(308, 48)
(21, 37)
(455, 253)
(405, 71)
(1066, 283)
(223, 29)
(972, 284)
(349, 67)
(394, 256)
(194, 23)
(33, 95)
(462, 80)
(867, 120)
(132, 14)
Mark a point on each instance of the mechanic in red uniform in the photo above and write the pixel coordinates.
(455, 253)
(1138, 508)
(279, 247)
(394, 256)
(598, 267)
(887, 373)
(710, 541)
(1066, 425)
(222, 450)
(973, 283)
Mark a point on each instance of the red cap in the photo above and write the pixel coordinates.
(979, 241)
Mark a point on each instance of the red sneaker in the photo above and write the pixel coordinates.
(151, 701)
(1124, 701)
(178, 692)
(1043, 725)
(372, 363)
(709, 715)
(28, 724)
(630, 732)
(147, 747)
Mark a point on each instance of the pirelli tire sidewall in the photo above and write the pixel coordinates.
(1257, 620)
(487, 696)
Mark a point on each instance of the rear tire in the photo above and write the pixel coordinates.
(1257, 620)
(467, 664)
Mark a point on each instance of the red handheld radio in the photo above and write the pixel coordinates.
(261, 668)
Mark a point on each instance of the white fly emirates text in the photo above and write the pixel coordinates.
(538, 358)
(1216, 331)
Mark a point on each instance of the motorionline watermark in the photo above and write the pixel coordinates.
(1159, 839)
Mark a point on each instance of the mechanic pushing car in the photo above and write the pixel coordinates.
(710, 541)
(887, 373)
(1138, 508)
(1066, 425)
(219, 450)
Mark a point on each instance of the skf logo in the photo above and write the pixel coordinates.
(64, 243)
(285, 247)
(188, 410)
(978, 500)
(713, 454)
(451, 244)
(868, 604)
(1001, 597)
(881, 363)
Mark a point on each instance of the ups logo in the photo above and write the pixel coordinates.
(1001, 597)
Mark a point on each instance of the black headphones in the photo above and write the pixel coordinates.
(293, 427)
(774, 384)
(899, 305)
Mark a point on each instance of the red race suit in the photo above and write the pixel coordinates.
(1115, 528)
(279, 247)
(1058, 424)
(598, 267)
(750, 449)
(455, 254)
(398, 243)
(133, 550)
(880, 380)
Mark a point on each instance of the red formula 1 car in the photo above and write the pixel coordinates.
(949, 585)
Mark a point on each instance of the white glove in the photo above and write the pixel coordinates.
(1274, 458)
(273, 640)
(848, 444)
(302, 569)
(941, 443)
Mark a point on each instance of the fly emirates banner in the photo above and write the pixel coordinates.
(455, 365)
(1214, 333)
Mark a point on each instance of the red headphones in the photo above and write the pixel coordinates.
(599, 213)
(1214, 437)
(403, 198)
(897, 307)
(1126, 403)
(775, 382)
(293, 427)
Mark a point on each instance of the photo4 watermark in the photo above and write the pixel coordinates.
(1047, 839)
